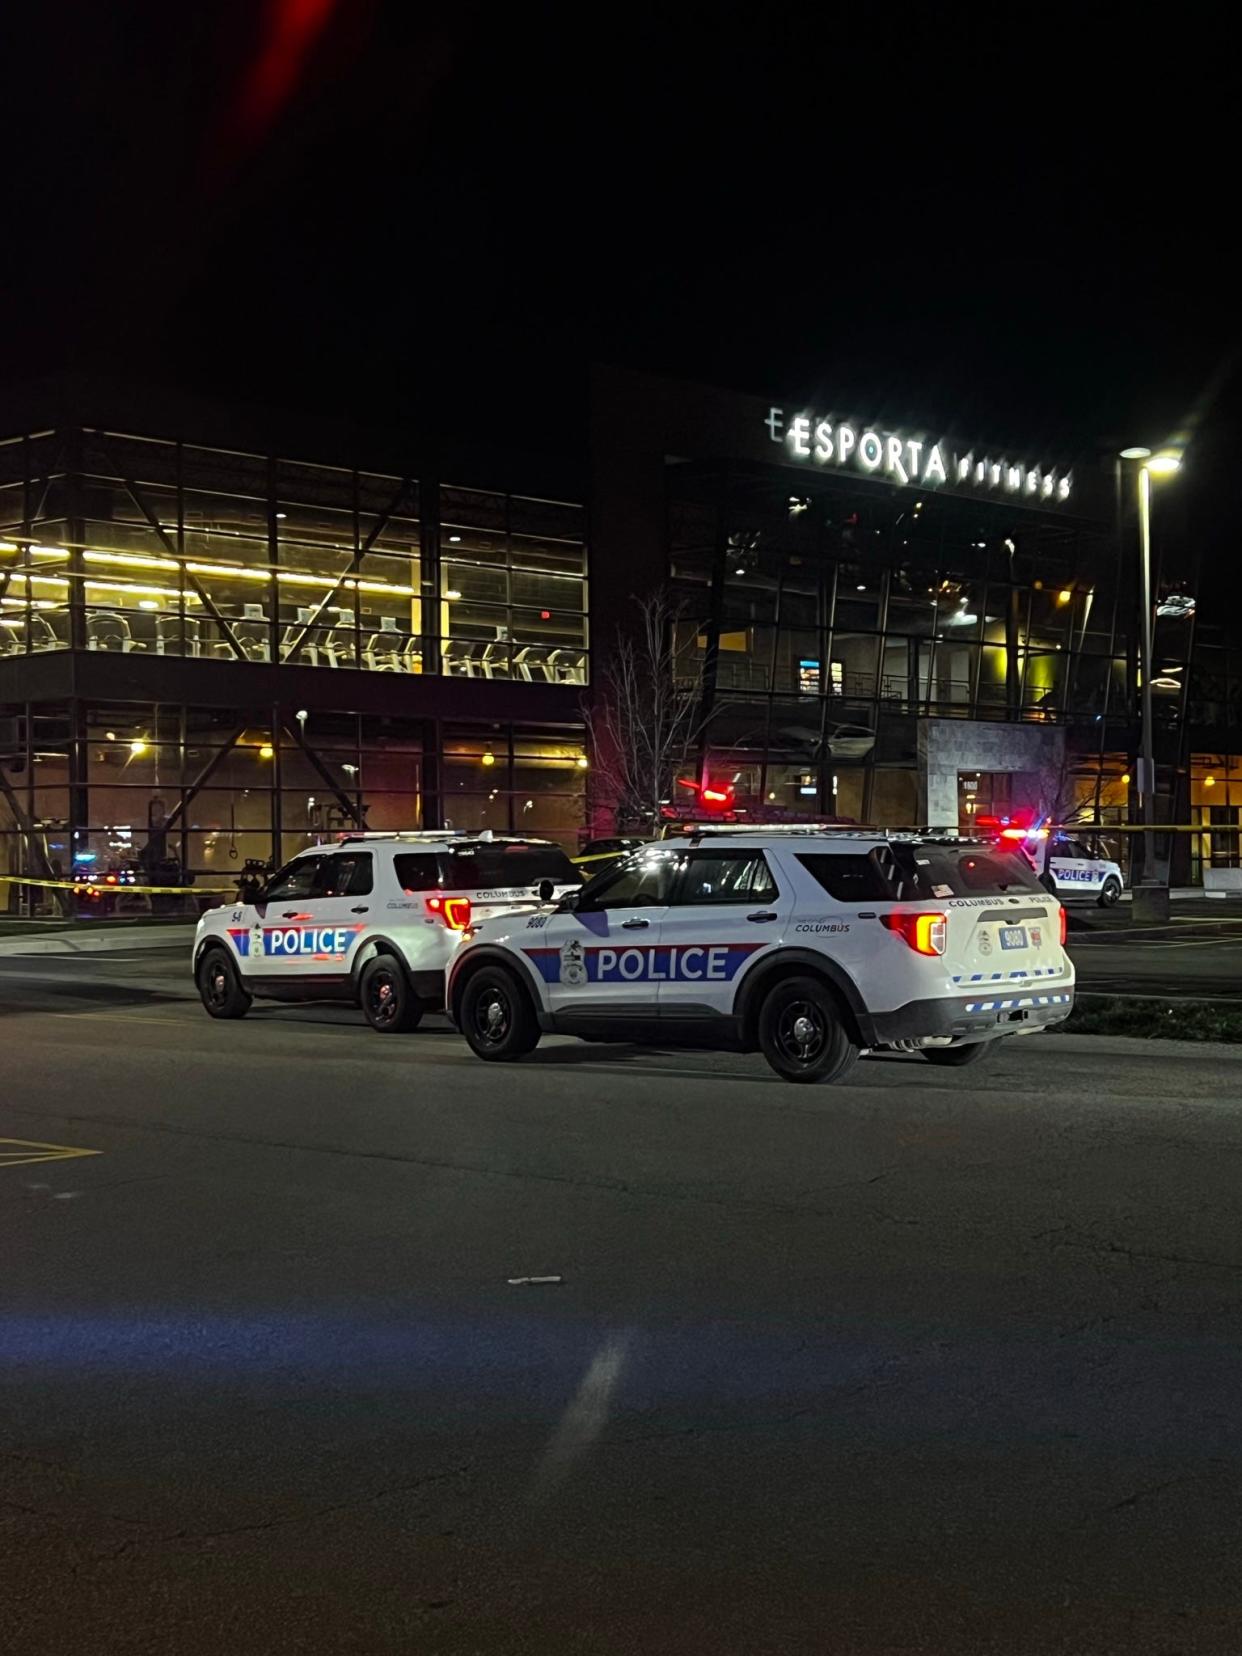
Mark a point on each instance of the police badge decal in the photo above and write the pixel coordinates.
(573, 964)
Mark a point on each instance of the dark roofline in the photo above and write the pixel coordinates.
(148, 410)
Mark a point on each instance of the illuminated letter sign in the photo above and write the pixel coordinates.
(823, 441)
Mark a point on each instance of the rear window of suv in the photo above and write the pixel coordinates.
(904, 873)
(496, 867)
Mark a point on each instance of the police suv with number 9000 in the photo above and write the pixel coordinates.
(809, 944)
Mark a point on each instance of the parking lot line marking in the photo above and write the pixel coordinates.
(21, 1152)
(111, 1017)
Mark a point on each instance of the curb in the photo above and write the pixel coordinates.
(118, 941)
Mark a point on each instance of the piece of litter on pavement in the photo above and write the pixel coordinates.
(532, 1281)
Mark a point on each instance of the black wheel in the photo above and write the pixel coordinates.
(389, 1003)
(955, 1057)
(801, 1032)
(1110, 891)
(497, 1017)
(1049, 884)
(219, 986)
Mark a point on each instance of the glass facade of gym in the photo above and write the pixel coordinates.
(209, 657)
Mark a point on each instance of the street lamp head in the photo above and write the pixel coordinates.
(1136, 454)
(1162, 464)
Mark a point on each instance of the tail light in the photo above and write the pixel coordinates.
(1064, 925)
(454, 911)
(926, 934)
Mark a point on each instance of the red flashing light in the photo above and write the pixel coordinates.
(926, 934)
(1064, 925)
(454, 911)
(716, 796)
(545, 615)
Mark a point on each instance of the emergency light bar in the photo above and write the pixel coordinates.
(924, 836)
(433, 836)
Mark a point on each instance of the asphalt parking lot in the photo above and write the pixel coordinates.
(1188, 959)
(932, 1362)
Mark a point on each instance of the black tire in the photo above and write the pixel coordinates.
(496, 1016)
(957, 1057)
(1049, 884)
(387, 996)
(802, 1033)
(220, 987)
(1110, 892)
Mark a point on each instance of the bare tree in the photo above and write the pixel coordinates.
(1061, 799)
(645, 717)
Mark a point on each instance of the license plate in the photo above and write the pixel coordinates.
(1013, 937)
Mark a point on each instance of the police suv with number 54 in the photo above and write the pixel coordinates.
(373, 920)
(811, 945)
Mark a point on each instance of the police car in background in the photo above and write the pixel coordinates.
(373, 920)
(812, 945)
(1077, 870)
(1069, 865)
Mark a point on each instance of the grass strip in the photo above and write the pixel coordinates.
(1154, 1020)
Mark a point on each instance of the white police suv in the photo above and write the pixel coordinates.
(811, 945)
(374, 920)
(1075, 869)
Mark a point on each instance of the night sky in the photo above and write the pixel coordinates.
(439, 216)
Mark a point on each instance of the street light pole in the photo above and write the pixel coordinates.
(1160, 464)
(1147, 754)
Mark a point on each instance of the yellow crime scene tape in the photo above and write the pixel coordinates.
(119, 886)
(1152, 827)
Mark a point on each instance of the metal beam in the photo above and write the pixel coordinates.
(204, 776)
(351, 568)
(64, 898)
(135, 494)
(348, 805)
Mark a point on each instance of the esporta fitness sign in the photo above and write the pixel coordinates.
(818, 441)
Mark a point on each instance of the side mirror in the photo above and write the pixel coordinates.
(546, 891)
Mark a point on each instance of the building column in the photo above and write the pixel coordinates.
(431, 783)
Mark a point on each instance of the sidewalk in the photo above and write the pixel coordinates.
(90, 939)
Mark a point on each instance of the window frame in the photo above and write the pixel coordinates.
(365, 860)
(271, 892)
(612, 877)
(750, 854)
